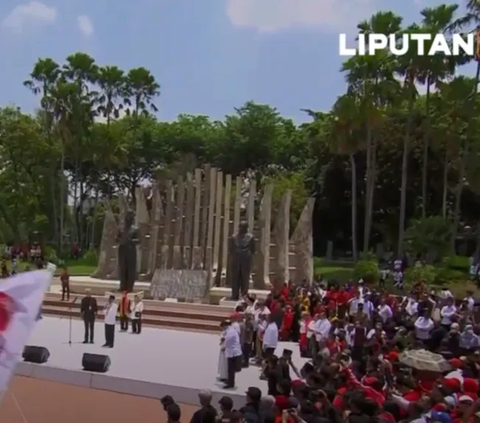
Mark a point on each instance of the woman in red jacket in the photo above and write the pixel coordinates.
(287, 323)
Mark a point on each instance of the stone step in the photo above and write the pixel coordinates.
(190, 324)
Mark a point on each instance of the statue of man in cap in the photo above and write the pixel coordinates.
(127, 253)
(242, 250)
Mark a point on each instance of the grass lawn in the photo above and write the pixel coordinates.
(75, 268)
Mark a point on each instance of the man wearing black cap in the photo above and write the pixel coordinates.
(226, 407)
(253, 397)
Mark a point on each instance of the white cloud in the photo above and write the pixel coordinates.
(276, 15)
(25, 15)
(85, 25)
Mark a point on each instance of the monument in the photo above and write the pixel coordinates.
(127, 239)
(242, 250)
(185, 229)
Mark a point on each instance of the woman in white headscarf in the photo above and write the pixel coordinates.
(468, 340)
(222, 359)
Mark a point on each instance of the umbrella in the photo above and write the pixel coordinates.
(424, 360)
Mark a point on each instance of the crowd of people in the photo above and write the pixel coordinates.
(374, 357)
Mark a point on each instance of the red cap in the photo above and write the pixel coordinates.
(455, 363)
(452, 383)
(392, 356)
(440, 407)
(370, 381)
(470, 385)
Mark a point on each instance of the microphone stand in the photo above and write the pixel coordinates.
(70, 321)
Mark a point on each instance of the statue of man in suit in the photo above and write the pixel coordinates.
(127, 253)
(242, 250)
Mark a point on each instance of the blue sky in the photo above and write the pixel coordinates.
(209, 56)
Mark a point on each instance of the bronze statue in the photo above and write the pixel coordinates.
(242, 250)
(127, 239)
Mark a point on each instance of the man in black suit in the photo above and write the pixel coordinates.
(88, 309)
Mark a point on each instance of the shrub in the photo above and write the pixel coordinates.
(90, 257)
(460, 263)
(426, 273)
(366, 269)
(447, 276)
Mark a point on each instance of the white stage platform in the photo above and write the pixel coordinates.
(155, 363)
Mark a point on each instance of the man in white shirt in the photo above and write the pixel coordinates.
(322, 327)
(469, 301)
(384, 311)
(447, 313)
(110, 316)
(423, 326)
(233, 353)
(353, 304)
(270, 338)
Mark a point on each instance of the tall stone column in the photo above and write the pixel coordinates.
(261, 278)
(142, 221)
(197, 260)
(236, 222)
(123, 206)
(107, 250)
(252, 193)
(188, 229)
(178, 238)
(205, 203)
(167, 229)
(302, 238)
(217, 226)
(156, 218)
(226, 229)
(210, 227)
(282, 240)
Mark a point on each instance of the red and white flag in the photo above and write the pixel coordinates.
(21, 297)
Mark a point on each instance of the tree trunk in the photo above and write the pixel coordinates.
(62, 198)
(426, 141)
(368, 183)
(94, 221)
(354, 207)
(446, 166)
(463, 165)
(403, 192)
(370, 193)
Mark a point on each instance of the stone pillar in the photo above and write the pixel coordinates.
(178, 234)
(123, 206)
(197, 260)
(302, 238)
(226, 229)
(218, 227)
(208, 264)
(261, 278)
(282, 240)
(167, 229)
(156, 218)
(107, 250)
(237, 204)
(142, 221)
(187, 231)
(236, 221)
(252, 193)
(205, 203)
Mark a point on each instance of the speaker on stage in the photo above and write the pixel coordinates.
(33, 354)
(96, 363)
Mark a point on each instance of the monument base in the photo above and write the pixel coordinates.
(78, 285)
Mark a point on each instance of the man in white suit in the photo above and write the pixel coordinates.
(233, 352)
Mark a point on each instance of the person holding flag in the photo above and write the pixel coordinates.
(21, 297)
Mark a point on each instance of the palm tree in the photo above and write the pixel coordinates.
(42, 80)
(347, 121)
(409, 67)
(112, 83)
(141, 88)
(432, 70)
(372, 77)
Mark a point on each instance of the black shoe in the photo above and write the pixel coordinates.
(105, 346)
(91, 342)
(228, 387)
(85, 342)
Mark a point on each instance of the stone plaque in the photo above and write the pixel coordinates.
(180, 284)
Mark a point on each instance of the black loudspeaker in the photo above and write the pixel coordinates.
(37, 355)
(96, 363)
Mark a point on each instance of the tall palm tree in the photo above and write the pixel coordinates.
(409, 67)
(432, 70)
(373, 78)
(112, 83)
(347, 122)
(42, 80)
(141, 89)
